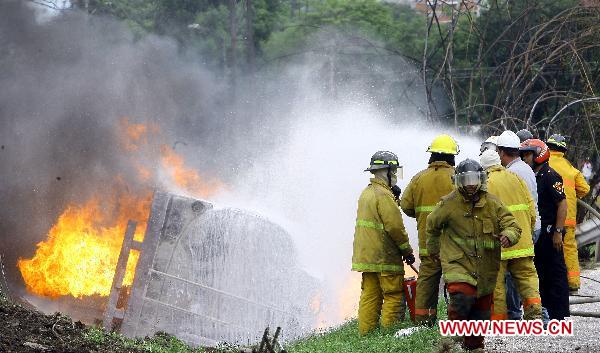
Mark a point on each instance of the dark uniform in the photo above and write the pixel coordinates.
(550, 263)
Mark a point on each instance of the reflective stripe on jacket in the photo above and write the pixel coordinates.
(466, 238)
(380, 239)
(573, 181)
(524, 171)
(513, 192)
(423, 192)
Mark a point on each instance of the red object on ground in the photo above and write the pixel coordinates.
(410, 293)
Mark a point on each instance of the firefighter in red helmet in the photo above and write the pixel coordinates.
(549, 259)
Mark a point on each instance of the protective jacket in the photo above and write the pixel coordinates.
(524, 171)
(380, 239)
(423, 192)
(513, 192)
(466, 236)
(573, 181)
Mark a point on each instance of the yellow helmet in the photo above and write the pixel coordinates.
(443, 144)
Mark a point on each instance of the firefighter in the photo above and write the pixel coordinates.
(508, 150)
(380, 246)
(575, 187)
(465, 231)
(490, 144)
(513, 192)
(549, 260)
(418, 200)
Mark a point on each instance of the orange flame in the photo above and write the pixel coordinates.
(185, 177)
(134, 136)
(80, 255)
(349, 296)
(81, 252)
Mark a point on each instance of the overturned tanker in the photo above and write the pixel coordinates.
(208, 275)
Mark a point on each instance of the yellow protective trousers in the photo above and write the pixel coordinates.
(428, 288)
(571, 258)
(382, 296)
(526, 281)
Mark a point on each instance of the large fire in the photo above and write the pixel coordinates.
(79, 256)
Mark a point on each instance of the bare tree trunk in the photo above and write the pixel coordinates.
(450, 60)
(233, 47)
(293, 7)
(250, 36)
(331, 74)
(428, 23)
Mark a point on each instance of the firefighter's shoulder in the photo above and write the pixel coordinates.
(417, 176)
(446, 198)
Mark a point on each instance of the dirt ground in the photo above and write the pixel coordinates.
(24, 330)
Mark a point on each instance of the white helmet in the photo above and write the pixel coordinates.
(509, 139)
(489, 144)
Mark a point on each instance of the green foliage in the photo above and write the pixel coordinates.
(138, 14)
(488, 49)
(399, 28)
(212, 37)
(511, 54)
(203, 26)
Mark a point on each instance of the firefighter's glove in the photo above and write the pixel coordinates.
(409, 259)
(396, 191)
(504, 241)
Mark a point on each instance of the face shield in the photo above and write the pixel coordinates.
(395, 174)
(390, 175)
(469, 182)
(398, 172)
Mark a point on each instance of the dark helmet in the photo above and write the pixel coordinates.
(383, 160)
(469, 172)
(557, 142)
(524, 135)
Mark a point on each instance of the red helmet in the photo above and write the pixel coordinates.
(539, 148)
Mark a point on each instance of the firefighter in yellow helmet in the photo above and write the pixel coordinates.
(418, 200)
(518, 259)
(465, 231)
(575, 187)
(380, 246)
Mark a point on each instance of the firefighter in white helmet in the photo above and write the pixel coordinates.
(518, 259)
(508, 145)
(490, 144)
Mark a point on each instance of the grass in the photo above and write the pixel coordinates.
(342, 339)
(159, 343)
(345, 339)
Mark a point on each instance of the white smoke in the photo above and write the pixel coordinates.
(311, 182)
(297, 151)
